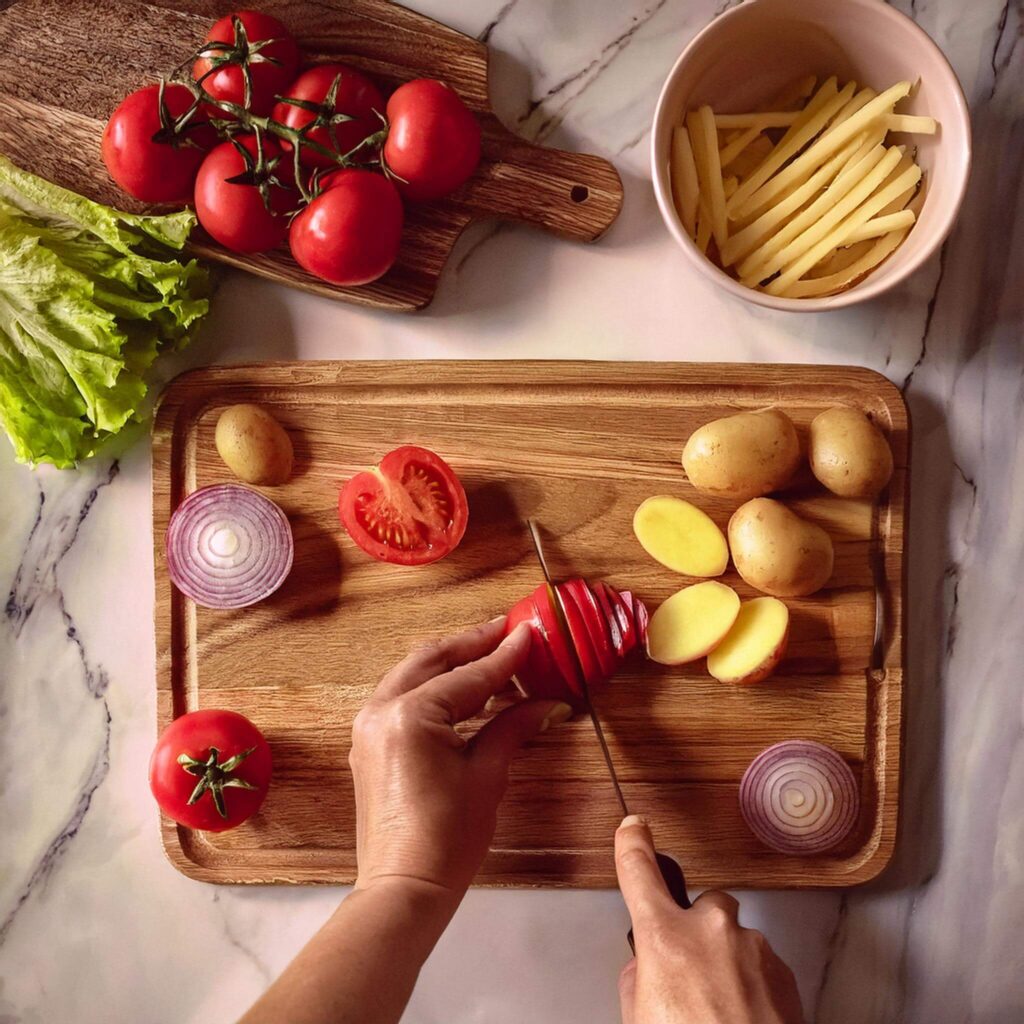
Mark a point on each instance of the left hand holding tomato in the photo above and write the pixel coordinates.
(426, 796)
(210, 770)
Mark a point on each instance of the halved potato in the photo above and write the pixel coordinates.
(692, 622)
(755, 645)
(681, 536)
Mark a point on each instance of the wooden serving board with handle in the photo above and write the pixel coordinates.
(66, 64)
(577, 446)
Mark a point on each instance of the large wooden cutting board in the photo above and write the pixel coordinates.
(578, 446)
(66, 64)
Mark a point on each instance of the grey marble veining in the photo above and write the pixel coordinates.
(96, 927)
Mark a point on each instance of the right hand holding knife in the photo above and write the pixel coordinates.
(693, 965)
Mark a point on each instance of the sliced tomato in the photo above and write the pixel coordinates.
(410, 509)
(592, 671)
(559, 640)
(539, 676)
(600, 592)
(595, 625)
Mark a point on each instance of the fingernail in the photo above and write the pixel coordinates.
(516, 635)
(633, 819)
(556, 716)
(497, 618)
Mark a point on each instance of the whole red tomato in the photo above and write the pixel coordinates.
(322, 97)
(433, 145)
(144, 156)
(234, 212)
(247, 44)
(350, 234)
(210, 770)
(411, 509)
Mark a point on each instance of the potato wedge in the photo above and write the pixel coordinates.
(691, 623)
(755, 645)
(680, 536)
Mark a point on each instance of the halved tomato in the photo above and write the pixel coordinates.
(410, 509)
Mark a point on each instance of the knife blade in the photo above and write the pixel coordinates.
(670, 869)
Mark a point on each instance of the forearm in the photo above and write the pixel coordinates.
(362, 965)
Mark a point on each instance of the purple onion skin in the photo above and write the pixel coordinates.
(265, 534)
(824, 774)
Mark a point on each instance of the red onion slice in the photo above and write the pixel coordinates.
(800, 797)
(228, 547)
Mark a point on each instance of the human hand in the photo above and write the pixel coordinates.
(696, 966)
(426, 797)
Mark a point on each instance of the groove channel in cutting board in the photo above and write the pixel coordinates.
(578, 446)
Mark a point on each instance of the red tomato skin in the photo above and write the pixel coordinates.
(357, 96)
(234, 214)
(193, 734)
(433, 142)
(391, 467)
(154, 172)
(350, 234)
(267, 79)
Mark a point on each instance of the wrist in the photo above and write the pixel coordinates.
(419, 897)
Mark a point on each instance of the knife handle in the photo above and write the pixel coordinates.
(675, 881)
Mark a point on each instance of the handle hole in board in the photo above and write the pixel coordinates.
(579, 193)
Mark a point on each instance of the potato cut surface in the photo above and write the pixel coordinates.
(692, 622)
(681, 537)
(755, 645)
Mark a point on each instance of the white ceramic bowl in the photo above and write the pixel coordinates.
(755, 49)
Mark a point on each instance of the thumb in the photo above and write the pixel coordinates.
(505, 734)
(640, 880)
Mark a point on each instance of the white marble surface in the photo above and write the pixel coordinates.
(94, 924)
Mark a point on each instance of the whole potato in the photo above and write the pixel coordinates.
(743, 456)
(777, 552)
(255, 447)
(849, 454)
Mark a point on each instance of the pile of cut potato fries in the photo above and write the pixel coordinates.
(800, 202)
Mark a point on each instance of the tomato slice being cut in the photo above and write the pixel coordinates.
(411, 509)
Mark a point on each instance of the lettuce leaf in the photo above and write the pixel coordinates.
(89, 297)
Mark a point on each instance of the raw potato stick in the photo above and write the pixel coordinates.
(837, 281)
(755, 233)
(848, 191)
(789, 147)
(839, 260)
(769, 119)
(824, 148)
(912, 124)
(878, 226)
(684, 180)
(795, 270)
(713, 175)
(732, 149)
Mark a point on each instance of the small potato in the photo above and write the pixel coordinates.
(777, 552)
(253, 445)
(743, 456)
(849, 454)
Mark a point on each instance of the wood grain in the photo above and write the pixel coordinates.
(578, 446)
(51, 124)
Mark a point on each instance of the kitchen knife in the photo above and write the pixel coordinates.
(670, 870)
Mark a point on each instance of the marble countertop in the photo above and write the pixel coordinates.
(95, 926)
